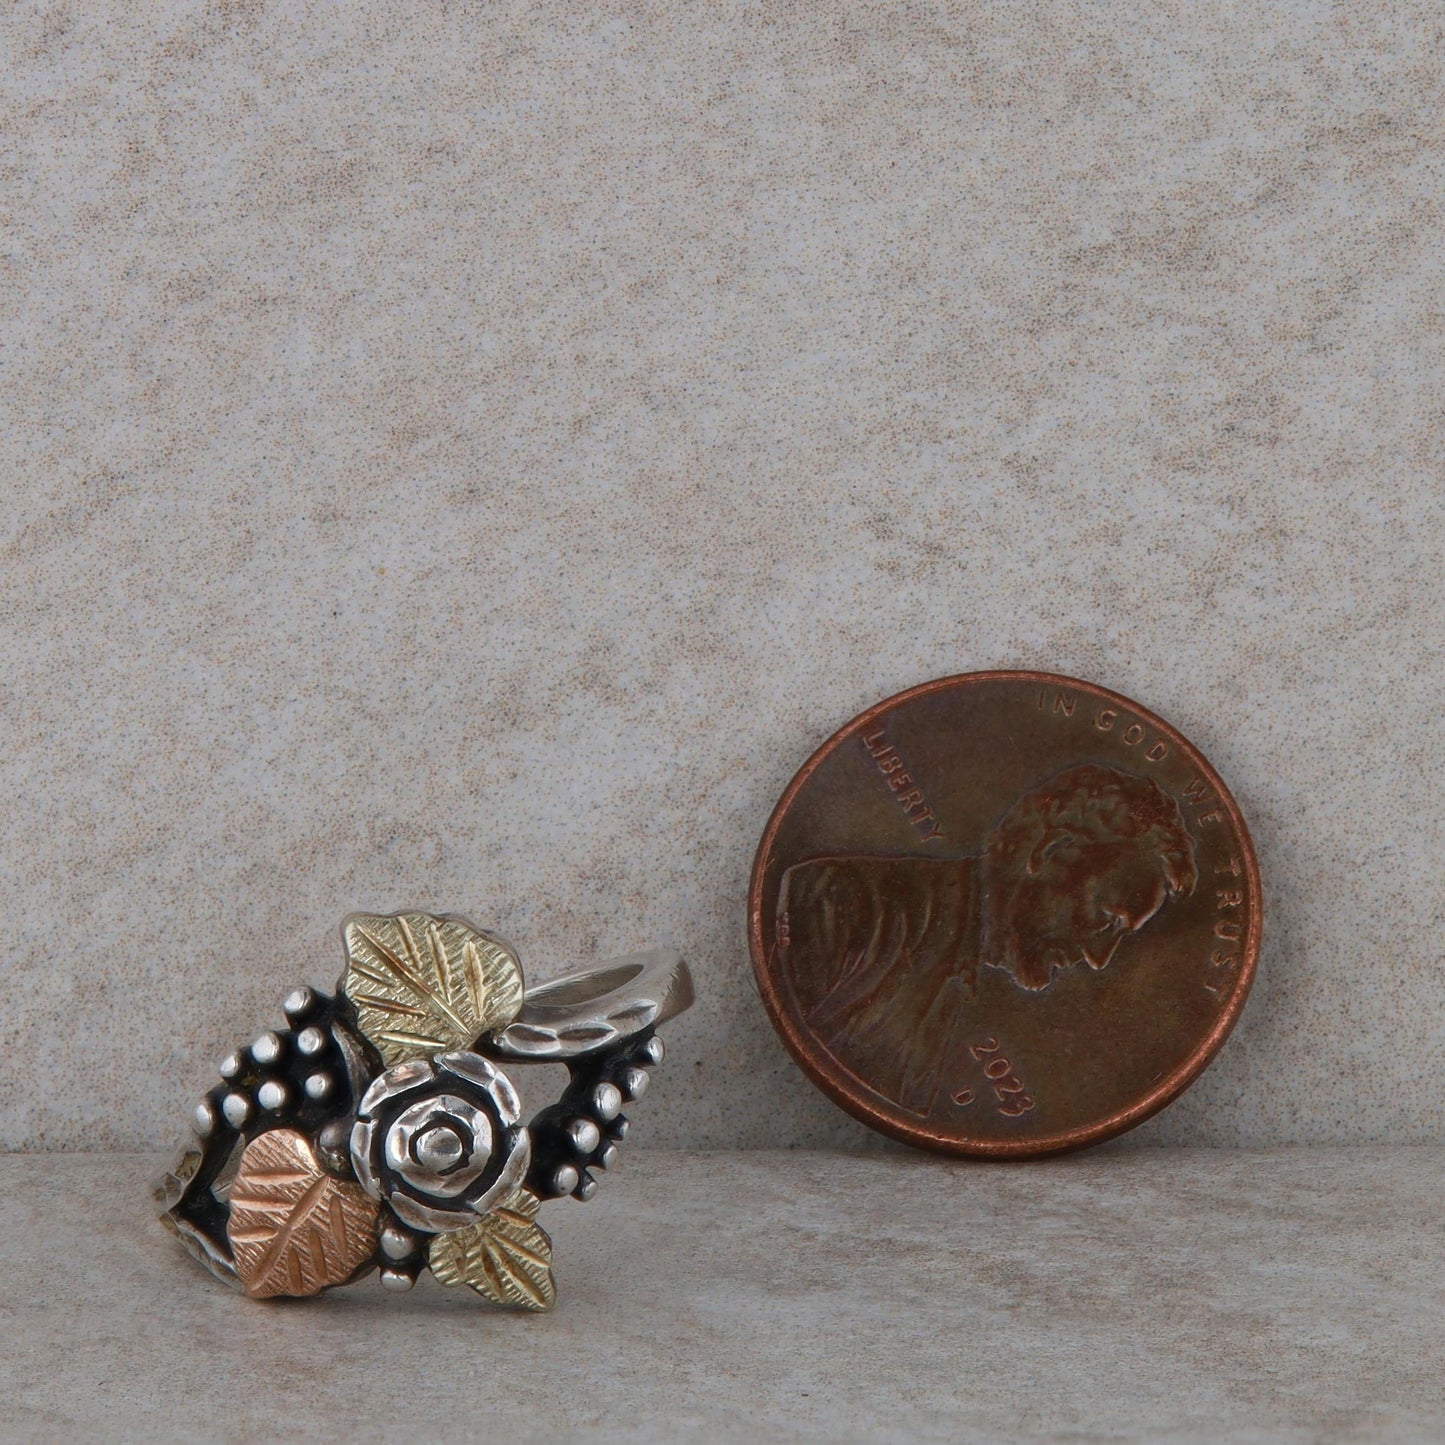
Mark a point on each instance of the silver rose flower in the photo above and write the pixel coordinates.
(439, 1140)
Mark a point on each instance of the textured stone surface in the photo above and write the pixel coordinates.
(792, 1296)
(465, 456)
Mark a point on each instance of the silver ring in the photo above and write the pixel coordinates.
(376, 1130)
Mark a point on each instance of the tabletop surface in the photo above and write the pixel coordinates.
(1295, 1295)
(467, 456)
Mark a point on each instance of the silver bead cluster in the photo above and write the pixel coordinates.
(402, 1253)
(277, 1074)
(592, 1138)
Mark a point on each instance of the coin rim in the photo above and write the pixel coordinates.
(1112, 1125)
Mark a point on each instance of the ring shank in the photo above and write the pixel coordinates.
(596, 1009)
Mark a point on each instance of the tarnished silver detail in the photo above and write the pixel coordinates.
(585, 1135)
(440, 1149)
(221, 1185)
(653, 1050)
(634, 1083)
(607, 1100)
(359, 1070)
(607, 1158)
(311, 1040)
(585, 1013)
(439, 1145)
(620, 1128)
(439, 1221)
(202, 1247)
(586, 1188)
(230, 1066)
(204, 1119)
(266, 1049)
(479, 1071)
(396, 1279)
(237, 1109)
(318, 1086)
(427, 1136)
(564, 1181)
(272, 1096)
(334, 1141)
(171, 1187)
(363, 1142)
(397, 1243)
(170, 1194)
(299, 1001)
(514, 1172)
(400, 1076)
(336, 1134)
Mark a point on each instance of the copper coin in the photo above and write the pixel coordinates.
(1005, 914)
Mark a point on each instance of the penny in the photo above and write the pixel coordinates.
(1005, 914)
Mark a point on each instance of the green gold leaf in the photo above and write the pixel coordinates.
(506, 1256)
(422, 985)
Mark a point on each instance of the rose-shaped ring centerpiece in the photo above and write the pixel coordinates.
(440, 1141)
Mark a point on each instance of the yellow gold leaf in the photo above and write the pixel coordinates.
(294, 1229)
(506, 1256)
(422, 985)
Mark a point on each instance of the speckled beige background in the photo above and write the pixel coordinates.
(467, 455)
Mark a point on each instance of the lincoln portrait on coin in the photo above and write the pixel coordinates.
(884, 953)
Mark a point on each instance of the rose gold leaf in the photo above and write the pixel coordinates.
(506, 1256)
(294, 1229)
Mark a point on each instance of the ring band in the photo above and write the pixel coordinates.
(590, 1012)
(377, 1129)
